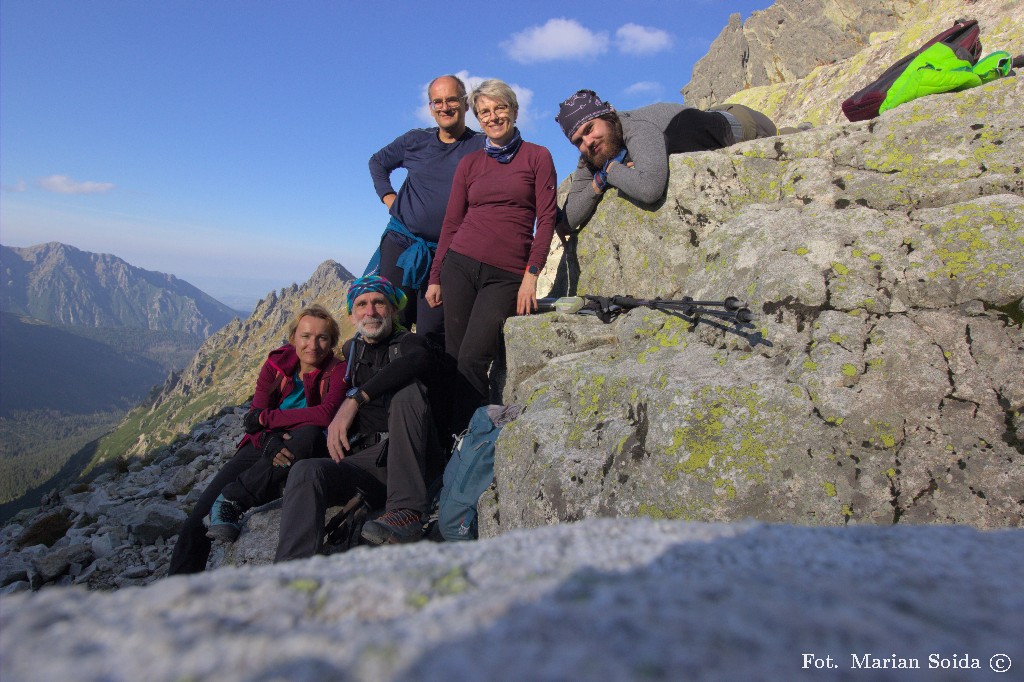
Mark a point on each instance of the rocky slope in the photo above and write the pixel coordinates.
(117, 528)
(60, 284)
(798, 60)
(785, 43)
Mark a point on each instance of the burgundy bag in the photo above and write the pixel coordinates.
(964, 37)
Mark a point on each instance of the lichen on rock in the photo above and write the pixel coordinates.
(880, 382)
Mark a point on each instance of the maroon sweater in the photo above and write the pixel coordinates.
(492, 209)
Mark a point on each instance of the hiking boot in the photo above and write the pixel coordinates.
(224, 520)
(395, 526)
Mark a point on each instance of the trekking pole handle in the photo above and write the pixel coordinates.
(730, 303)
(546, 305)
(629, 302)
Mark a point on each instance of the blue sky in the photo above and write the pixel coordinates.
(227, 142)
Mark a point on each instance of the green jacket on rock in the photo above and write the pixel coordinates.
(938, 69)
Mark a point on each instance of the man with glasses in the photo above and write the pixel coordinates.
(417, 209)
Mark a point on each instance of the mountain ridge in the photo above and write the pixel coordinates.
(86, 336)
(62, 284)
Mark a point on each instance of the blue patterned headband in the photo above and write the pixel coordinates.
(375, 283)
(583, 106)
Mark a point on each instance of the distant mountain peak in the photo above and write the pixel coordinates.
(63, 285)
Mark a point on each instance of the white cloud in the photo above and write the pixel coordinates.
(62, 184)
(19, 186)
(557, 39)
(643, 88)
(641, 40)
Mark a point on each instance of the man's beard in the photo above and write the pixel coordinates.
(375, 332)
(609, 150)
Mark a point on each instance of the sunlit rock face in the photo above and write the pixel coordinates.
(881, 381)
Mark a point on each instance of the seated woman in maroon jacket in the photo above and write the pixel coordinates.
(299, 389)
(489, 255)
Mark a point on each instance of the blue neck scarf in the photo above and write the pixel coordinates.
(507, 153)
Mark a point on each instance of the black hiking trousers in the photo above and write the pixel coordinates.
(262, 482)
(390, 473)
(192, 550)
(478, 298)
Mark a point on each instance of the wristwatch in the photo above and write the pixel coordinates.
(533, 270)
(357, 395)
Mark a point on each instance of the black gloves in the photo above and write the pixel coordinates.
(252, 421)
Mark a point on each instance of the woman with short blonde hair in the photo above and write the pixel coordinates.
(490, 254)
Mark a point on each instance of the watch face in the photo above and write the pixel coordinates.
(533, 270)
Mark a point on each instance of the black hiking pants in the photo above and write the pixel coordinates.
(478, 298)
(390, 473)
(262, 482)
(192, 550)
(693, 130)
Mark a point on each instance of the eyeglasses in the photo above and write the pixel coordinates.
(446, 103)
(487, 114)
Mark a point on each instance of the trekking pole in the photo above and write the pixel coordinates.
(342, 516)
(608, 307)
(565, 304)
(731, 309)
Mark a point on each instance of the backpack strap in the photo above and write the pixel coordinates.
(325, 376)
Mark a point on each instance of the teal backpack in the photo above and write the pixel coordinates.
(470, 472)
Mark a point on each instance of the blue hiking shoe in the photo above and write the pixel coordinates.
(224, 520)
(393, 527)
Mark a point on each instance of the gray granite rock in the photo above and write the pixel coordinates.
(881, 380)
(13, 568)
(610, 599)
(785, 42)
(55, 563)
(157, 520)
(180, 481)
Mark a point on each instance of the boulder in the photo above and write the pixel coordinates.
(45, 529)
(601, 599)
(156, 520)
(50, 565)
(13, 568)
(179, 481)
(880, 381)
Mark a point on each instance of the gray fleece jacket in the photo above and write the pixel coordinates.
(643, 130)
